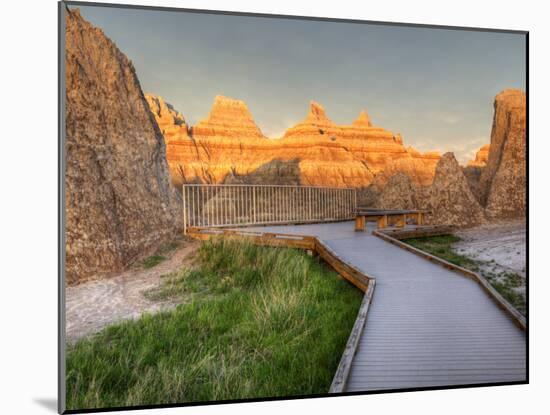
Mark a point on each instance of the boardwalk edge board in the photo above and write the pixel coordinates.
(515, 315)
(342, 372)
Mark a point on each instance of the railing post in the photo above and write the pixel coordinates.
(184, 210)
(289, 205)
(254, 203)
(239, 203)
(354, 201)
(201, 206)
(208, 211)
(218, 200)
(192, 197)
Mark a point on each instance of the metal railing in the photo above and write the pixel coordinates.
(216, 205)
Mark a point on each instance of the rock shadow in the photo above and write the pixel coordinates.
(275, 172)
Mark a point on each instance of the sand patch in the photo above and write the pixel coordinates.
(95, 304)
(500, 246)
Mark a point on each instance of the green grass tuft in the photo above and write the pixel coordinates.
(506, 284)
(441, 246)
(153, 261)
(258, 322)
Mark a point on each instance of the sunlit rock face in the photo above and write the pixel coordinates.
(481, 158)
(503, 181)
(120, 204)
(228, 118)
(229, 144)
(171, 123)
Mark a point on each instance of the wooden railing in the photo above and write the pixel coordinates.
(219, 205)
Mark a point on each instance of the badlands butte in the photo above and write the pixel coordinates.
(228, 146)
(127, 155)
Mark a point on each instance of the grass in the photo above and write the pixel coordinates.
(153, 261)
(258, 322)
(505, 283)
(441, 246)
(161, 254)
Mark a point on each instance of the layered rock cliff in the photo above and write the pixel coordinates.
(228, 118)
(229, 146)
(503, 182)
(119, 200)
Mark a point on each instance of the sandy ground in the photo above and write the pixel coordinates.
(501, 246)
(93, 305)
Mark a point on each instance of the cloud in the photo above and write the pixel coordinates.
(273, 131)
(467, 149)
(279, 127)
(445, 117)
(451, 119)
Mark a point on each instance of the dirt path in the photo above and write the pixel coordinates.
(503, 244)
(95, 304)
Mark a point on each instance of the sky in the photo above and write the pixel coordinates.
(434, 86)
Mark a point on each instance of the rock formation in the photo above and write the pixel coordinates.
(481, 157)
(171, 122)
(228, 118)
(400, 193)
(229, 145)
(119, 201)
(503, 182)
(450, 197)
(473, 174)
(420, 167)
(285, 172)
(492, 186)
(473, 170)
(363, 120)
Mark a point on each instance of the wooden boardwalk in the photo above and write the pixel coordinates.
(427, 326)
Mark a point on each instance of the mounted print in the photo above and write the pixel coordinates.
(262, 207)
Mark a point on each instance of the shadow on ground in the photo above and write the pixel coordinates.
(48, 403)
